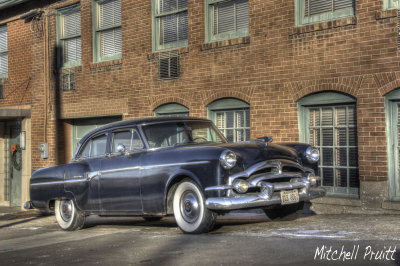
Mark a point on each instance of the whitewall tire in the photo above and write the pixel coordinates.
(67, 216)
(190, 213)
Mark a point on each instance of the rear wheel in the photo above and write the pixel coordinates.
(67, 216)
(190, 213)
(286, 212)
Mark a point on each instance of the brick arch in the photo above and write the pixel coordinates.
(336, 87)
(389, 87)
(167, 100)
(227, 94)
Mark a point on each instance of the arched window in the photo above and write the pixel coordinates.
(171, 109)
(392, 104)
(328, 120)
(232, 117)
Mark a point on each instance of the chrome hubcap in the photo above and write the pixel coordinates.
(66, 210)
(190, 207)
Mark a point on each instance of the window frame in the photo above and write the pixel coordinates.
(209, 24)
(230, 105)
(5, 75)
(97, 58)
(89, 141)
(301, 20)
(388, 4)
(329, 100)
(156, 28)
(392, 109)
(171, 109)
(61, 39)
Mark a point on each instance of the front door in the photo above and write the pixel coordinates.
(15, 163)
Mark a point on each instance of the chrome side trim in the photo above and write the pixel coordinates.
(60, 182)
(136, 168)
(217, 188)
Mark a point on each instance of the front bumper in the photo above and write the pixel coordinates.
(259, 200)
(269, 184)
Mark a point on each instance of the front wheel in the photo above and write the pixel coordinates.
(190, 213)
(67, 216)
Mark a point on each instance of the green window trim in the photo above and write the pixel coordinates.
(157, 17)
(99, 30)
(171, 109)
(336, 140)
(391, 4)
(210, 24)
(3, 51)
(61, 38)
(302, 20)
(392, 102)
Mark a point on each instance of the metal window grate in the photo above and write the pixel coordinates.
(168, 65)
(68, 80)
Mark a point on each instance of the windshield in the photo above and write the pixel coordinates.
(178, 133)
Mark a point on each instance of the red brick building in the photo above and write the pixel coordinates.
(325, 72)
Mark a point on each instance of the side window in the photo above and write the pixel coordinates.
(121, 138)
(99, 145)
(94, 147)
(86, 150)
(137, 143)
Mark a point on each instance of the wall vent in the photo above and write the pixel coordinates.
(68, 81)
(168, 65)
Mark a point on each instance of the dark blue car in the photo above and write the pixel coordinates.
(154, 167)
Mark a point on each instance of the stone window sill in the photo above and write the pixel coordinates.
(225, 43)
(106, 65)
(392, 13)
(324, 26)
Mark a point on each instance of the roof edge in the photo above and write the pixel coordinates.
(9, 3)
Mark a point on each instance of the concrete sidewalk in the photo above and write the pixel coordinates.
(11, 213)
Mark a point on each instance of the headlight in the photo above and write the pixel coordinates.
(313, 179)
(240, 186)
(228, 159)
(312, 154)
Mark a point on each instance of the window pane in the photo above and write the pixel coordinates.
(229, 119)
(341, 139)
(122, 138)
(72, 49)
(327, 137)
(224, 17)
(72, 22)
(327, 177)
(110, 13)
(3, 63)
(99, 146)
(111, 42)
(242, 14)
(314, 118)
(85, 151)
(314, 137)
(3, 39)
(136, 141)
(341, 177)
(327, 117)
(173, 28)
(341, 157)
(327, 156)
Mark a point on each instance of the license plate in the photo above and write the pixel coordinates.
(289, 196)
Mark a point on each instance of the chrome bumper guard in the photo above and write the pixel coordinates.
(270, 191)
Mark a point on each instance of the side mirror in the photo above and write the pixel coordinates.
(121, 148)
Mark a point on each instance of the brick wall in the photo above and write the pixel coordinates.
(271, 70)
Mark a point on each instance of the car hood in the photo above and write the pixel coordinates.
(254, 152)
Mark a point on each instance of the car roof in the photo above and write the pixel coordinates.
(140, 121)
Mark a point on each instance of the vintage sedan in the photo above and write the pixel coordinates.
(183, 166)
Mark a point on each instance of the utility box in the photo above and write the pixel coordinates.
(44, 150)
